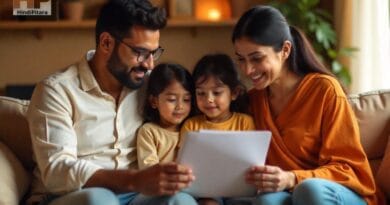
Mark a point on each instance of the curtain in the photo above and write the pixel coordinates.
(368, 30)
(343, 27)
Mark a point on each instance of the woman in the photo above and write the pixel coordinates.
(315, 156)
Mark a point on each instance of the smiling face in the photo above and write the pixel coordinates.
(173, 105)
(213, 99)
(123, 63)
(261, 64)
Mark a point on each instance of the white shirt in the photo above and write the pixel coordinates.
(76, 128)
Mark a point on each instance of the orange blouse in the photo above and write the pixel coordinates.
(316, 135)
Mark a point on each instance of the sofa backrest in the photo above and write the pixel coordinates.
(372, 110)
(14, 130)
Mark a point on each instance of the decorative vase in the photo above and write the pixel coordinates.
(73, 10)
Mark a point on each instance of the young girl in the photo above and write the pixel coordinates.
(220, 97)
(168, 103)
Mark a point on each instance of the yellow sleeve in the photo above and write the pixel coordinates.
(146, 148)
(250, 124)
(186, 127)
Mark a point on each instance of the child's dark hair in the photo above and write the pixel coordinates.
(222, 67)
(161, 77)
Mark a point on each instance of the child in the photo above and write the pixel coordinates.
(167, 105)
(220, 97)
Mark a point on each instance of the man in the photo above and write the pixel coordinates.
(83, 120)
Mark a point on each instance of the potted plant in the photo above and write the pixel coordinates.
(316, 24)
(72, 9)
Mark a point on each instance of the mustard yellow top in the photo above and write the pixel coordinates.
(316, 135)
(237, 122)
(155, 144)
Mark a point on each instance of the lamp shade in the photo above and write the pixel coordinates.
(212, 10)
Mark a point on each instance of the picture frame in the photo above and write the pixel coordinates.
(181, 8)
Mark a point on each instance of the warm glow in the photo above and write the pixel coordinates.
(212, 10)
(214, 14)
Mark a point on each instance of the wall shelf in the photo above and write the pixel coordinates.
(199, 23)
(89, 24)
(19, 25)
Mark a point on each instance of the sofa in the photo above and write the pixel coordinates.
(371, 108)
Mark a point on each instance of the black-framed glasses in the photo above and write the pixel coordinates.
(142, 53)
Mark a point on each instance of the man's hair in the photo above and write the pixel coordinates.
(118, 16)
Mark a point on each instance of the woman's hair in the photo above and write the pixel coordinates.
(161, 77)
(266, 26)
(117, 17)
(222, 67)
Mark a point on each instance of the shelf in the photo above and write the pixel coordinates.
(88, 24)
(200, 23)
(18, 25)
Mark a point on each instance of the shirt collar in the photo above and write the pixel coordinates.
(87, 79)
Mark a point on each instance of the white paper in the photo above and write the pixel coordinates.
(219, 160)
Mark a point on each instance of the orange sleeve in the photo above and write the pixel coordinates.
(341, 156)
(317, 135)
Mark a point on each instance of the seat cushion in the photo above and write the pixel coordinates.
(14, 178)
(14, 131)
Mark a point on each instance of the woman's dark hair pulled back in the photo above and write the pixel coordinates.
(265, 25)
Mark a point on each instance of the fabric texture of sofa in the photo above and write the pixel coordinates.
(371, 108)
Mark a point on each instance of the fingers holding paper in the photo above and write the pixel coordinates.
(270, 178)
(164, 179)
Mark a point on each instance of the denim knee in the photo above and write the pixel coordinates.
(181, 198)
(100, 196)
(88, 196)
(315, 191)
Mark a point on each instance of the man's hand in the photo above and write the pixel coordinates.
(270, 178)
(162, 179)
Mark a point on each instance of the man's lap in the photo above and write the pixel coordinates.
(102, 196)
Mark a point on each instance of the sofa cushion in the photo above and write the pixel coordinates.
(372, 110)
(14, 178)
(14, 131)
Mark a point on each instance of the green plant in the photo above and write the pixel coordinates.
(316, 24)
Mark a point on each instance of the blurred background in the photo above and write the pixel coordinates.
(351, 36)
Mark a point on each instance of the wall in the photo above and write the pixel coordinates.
(25, 59)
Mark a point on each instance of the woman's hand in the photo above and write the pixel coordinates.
(270, 178)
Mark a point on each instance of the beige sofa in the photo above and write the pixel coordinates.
(372, 110)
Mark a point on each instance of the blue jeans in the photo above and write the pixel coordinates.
(313, 191)
(180, 198)
(102, 196)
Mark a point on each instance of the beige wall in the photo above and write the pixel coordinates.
(25, 59)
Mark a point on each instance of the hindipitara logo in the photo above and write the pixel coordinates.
(32, 7)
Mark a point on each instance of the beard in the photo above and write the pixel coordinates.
(122, 72)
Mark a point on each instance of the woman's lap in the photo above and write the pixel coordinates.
(313, 191)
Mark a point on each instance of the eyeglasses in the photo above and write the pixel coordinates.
(143, 54)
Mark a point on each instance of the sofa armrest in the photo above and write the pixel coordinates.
(14, 130)
(14, 178)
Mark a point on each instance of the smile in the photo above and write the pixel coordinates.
(258, 76)
(139, 72)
